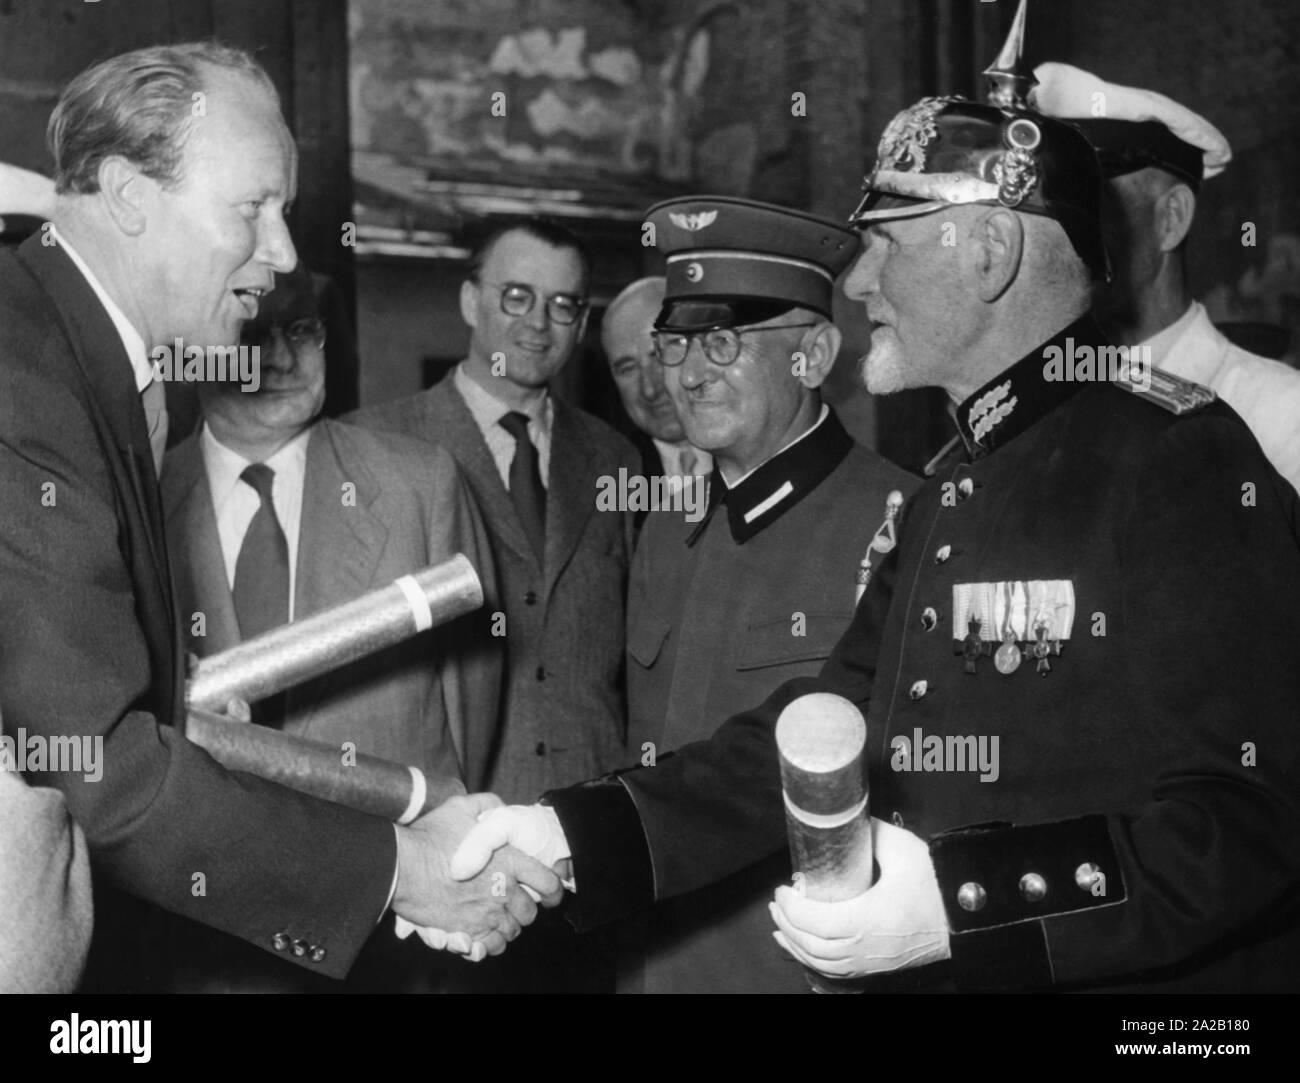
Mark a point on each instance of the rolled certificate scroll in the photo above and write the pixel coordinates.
(820, 738)
(361, 782)
(307, 648)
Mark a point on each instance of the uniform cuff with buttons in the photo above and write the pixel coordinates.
(999, 883)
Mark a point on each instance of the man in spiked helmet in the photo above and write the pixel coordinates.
(1074, 587)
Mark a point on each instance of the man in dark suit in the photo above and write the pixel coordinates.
(1087, 651)
(535, 466)
(174, 168)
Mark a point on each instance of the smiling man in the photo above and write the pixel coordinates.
(174, 169)
(534, 464)
(726, 610)
(627, 336)
(274, 513)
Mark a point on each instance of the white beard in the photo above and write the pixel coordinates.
(883, 370)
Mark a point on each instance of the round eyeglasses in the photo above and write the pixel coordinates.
(721, 346)
(307, 330)
(518, 300)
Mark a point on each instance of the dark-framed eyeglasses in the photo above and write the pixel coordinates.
(518, 299)
(304, 331)
(721, 346)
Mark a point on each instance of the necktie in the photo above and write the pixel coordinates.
(261, 592)
(154, 398)
(526, 482)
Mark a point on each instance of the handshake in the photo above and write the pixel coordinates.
(470, 874)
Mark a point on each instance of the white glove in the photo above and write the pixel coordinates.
(458, 943)
(898, 923)
(534, 829)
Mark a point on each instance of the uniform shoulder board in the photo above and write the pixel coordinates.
(1172, 393)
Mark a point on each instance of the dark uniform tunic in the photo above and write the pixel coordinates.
(1143, 828)
(721, 613)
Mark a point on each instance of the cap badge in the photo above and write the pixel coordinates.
(902, 146)
(1015, 171)
(693, 223)
(694, 272)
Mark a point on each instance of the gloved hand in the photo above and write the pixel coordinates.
(898, 923)
(534, 829)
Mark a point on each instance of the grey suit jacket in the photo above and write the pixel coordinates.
(45, 910)
(565, 715)
(432, 701)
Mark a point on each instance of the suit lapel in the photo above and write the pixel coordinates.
(339, 543)
(571, 492)
(114, 401)
(466, 442)
(200, 567)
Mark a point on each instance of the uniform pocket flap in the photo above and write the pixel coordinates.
(792, 638)
(646, 640)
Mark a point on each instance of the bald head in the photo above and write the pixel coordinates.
(625, 335)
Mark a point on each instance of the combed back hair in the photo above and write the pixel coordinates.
(542, 229)
(138, 106)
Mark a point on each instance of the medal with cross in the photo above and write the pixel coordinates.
(1041, 647)
(972, 648)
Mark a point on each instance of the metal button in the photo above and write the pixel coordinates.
(918, 689)
(942, 554)
(965, 487)
(929, 618)
(279, 941)
(541, 673)
(1032, 887)
(972, 896)
(541, 748)
(300, 948)
(1086, 875)
(317, 955)
(530, 598)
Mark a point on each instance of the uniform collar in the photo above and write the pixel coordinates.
(1021, 395)
(767, 492)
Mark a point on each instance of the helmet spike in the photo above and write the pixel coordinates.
(1010, 78)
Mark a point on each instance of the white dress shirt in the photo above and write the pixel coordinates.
(487, 411)
(235, 502)
(671, 455)
(1264, 392)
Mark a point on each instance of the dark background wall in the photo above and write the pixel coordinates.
(709, 109)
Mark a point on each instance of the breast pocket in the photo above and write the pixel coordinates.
(645, 642)
(791, 639)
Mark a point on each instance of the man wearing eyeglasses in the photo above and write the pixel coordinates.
(725, 610)
(274, 513)
(534, 464)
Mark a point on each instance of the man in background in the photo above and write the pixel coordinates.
(534, 465)
(725, 608)
(1155, 153)
(626, 334)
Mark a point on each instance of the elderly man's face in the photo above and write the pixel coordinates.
(533, 346)
(291, 343)
(741, 412)
(219, 236)
(634, 363)
(910, 282)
